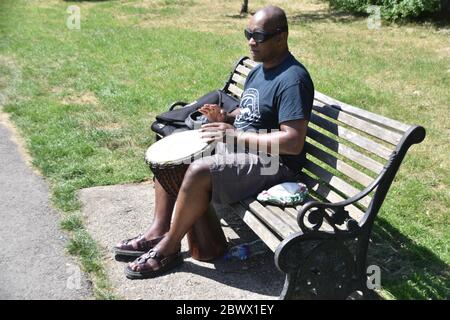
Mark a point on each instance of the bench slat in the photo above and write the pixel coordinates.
(352, 136)
(344, 150)
(362, 125)
(250, 63)
(293, 211)
(331, 196)
(272, 220)
(312, 183)
(257, 226)
(291, 218)
(285, 216)
(363, 114)
(243, 70)
(238, 79)
(336, 182)
(338, 164)
(235, 90)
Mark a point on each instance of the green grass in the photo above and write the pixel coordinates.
(85, 100)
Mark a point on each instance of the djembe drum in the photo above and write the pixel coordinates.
(169, 159)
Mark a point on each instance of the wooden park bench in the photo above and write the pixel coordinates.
(352, 158)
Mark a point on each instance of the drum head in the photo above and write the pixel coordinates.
(176, 147)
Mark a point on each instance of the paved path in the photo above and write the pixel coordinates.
(33, 261)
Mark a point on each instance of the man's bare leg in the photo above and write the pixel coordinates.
(164, 204)
(192, 202)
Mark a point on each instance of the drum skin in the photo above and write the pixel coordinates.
(169, 158)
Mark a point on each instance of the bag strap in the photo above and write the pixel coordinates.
(219, 92)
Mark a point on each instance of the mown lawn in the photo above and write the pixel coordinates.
(84, 101)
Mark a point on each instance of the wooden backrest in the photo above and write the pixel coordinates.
(235, 84)
(346, 147)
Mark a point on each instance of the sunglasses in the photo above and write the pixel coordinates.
(261, 36)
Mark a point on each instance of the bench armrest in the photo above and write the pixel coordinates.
(339, 215)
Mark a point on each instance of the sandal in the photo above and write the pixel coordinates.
(164, 265)
(135, 247)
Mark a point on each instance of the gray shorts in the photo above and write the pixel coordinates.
(237, 175)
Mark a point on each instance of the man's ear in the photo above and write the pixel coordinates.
(282, 37)
(278, 39)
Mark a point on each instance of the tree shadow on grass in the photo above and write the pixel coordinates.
(237, 16)
(437, 20)
(240, 15)
(310, 16)
(408, 270)
(87, 0)
(323, 16)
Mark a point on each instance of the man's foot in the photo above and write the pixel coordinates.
(135, 247)
(152, 264)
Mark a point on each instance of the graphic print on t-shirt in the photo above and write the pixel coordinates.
(249, 109)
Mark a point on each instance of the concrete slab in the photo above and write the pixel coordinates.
(118, 212)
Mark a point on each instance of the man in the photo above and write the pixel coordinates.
(277, 100)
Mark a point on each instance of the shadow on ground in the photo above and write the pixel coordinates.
(323, 16)
(408, 270)
(114, 213)
(438, 21)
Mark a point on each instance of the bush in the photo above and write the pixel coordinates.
(390, 9)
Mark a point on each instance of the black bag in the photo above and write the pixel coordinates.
(187, 117)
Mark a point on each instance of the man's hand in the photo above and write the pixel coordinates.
(216, 131)
(213, 113)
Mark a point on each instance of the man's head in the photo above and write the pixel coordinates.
(267, 34)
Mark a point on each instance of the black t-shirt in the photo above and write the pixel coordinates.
(276, 95)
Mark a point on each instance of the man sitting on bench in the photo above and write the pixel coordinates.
(277, 99)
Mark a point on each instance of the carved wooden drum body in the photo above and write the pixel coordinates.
(169, 158)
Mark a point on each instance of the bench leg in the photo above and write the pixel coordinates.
(317, 269)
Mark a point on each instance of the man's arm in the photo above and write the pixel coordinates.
(289, 139)
(231, 116)
(215, 114)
